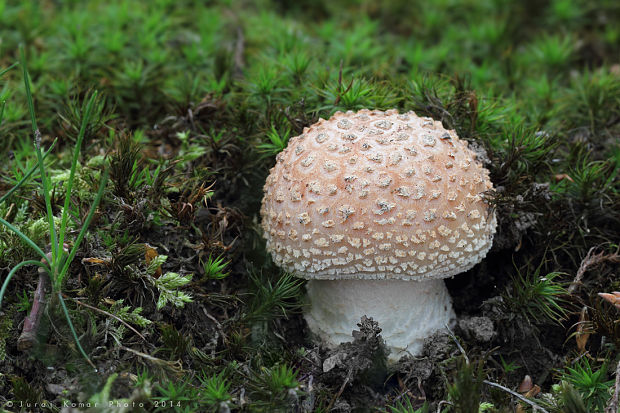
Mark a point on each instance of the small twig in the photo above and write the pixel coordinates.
(421, 388)
(238, 56)
(499, 386)
(585, 263)
(308, 404)
(612, 407)
(9, 212)
(441, 403)
(337, 395)
(590, 260)
(456, 341)
(340, 76)
(340, 91)
(174, 367)
(535, 406)
(210, 317)
(108, 314)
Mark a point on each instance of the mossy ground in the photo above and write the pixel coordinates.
(195, 102)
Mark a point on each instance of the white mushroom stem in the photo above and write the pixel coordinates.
(407, 311)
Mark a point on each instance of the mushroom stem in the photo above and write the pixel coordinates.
(407, 311)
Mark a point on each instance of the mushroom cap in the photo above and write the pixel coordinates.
(377, 195)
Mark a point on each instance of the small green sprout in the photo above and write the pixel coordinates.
(215, 390)
(264, 85)
(406, 405)
(176, 394)
(214, 268)
(553, 51)
(24, 302)
(274, 388)
(538, 299)
(273, 299)
(592, 384)
(508, 367)
(280, 377)
(277, 142)
(168, 285)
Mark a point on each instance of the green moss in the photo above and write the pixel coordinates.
(196, 102)
(6, 325)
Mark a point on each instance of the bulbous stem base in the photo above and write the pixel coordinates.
(407, 311)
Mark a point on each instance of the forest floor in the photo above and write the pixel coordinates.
(174, 113)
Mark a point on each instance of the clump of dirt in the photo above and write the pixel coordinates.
(358, 369)
(478, 329)
(422, 377)
(524, 344)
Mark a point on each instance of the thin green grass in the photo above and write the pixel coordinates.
(57, 265)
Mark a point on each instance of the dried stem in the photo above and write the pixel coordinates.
(342, 387)
(109, 315)
(238, 55)
(535, 406)
(28, 337)
(612, 407)
(591, 259)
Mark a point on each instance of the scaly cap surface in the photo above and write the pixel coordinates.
(377, 195)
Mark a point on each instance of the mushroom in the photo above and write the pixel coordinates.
(375, 208)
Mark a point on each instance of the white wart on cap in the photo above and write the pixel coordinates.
(376, 195)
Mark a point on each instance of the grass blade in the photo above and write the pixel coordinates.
(8, 68)
(65, 268)
(3, 103)
(5, 284)
(25, 239)
(37, 140)
(33, 119)
(76, 152)
(30, 172)
(75, 337)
